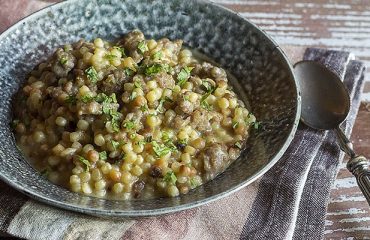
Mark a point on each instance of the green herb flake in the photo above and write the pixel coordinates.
(186, 98)
(115, 144)
(144, 108)
(143, 47)
(256, 125)
(166, 136)
(183, 75)
(70, 99)
(129, 72)
(141, 143)
(153, 69)
(103, 155)
(235, 124)
(137, 84)
(161, 149)
(115, 117)
(63, 60)
(238, 145)
(129, 125)
(157, 55)
(107, 102)
(121, 49)
(87, 98)
(170, 177)
(205, 105)
(156, 68)
(133, 95)
(206, 85)
(110, 57)
(203, 101)
(85, 162)
(193, 183)
(92, 74)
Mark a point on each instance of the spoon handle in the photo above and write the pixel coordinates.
(357, 165)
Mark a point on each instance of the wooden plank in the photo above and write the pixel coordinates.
(343, 25)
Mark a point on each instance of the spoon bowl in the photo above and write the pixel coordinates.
(325, 100)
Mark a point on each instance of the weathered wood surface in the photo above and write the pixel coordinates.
(295, 24)
(342, 25)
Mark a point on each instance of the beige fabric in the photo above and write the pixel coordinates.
(38, 221)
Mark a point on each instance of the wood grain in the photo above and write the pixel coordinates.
(340, 24)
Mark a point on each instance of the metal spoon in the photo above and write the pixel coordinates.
(325, 104)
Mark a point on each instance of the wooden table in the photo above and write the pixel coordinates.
(341, 24)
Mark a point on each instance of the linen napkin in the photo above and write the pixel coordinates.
(288, 202)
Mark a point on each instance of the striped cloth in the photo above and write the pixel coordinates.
(288, 202)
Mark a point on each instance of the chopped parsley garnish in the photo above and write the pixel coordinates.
(92, 74)
(129, 125)
(161, 149)
(144, 108)
(85, 162)
(143, 47)
(121, 49)
(133, 95)
(110, 57)
(205, 105)
(170, 177)
(87, 98)
(115, 144)
(115, 117)
(106, 102)
(193, 183)
(165, 136)
(183, 141)
(137, 84)
(141, 143)
(107, 108)
(207, 85)
(235, 124)
(63, 60)
(238, 145)
(156, 68)
(203, 101)
(256, 125)
(129, 72)
(160, 108)
(183, 75)
(157, 55)
(103, 155)
(71, 99)
(186, 98)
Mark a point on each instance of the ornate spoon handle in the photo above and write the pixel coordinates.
(357, 165)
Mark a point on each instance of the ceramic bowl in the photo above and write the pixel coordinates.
(262, 71)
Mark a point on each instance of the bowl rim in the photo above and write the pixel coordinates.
(166, 210)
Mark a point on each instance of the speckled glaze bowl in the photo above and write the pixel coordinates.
(263, 72)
